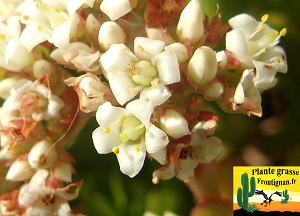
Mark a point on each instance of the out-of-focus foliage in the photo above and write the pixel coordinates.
(272, 139)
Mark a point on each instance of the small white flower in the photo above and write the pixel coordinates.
(147, 71)
(128, 133)
(43, 198)
(253, 44)
(91, 91)
(78, 54)
(13, 55)
(202, 148)
(32, 99)
(52, 20)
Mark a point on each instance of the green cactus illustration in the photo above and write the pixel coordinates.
(286, 197)
(244, 193)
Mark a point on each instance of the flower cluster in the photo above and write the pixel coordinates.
(144, 69)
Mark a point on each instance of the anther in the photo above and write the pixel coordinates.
(107, 129)
(283, 32)
(115, 150)
(264, 18)
(140, 48)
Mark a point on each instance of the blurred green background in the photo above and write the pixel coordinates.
(273, 139)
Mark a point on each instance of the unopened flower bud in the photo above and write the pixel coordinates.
(41, 68)
(179, 50)
(92, 25)
(190, 26)
(42, 155)
(6, 85)
(174, 124)
(202, 67)
(115, 9)
(19, 171)
(213, 91)
(110, 33)
(63, 171)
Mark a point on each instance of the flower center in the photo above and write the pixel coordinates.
(131, 129)
(34, 102)
(143, 73)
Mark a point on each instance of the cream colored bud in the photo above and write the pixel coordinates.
(92, 25)
(190, 26)
(110, 33)
(42, 155)
(180, 51)
(63, 171)
(41, 68)
(6, 85)
(213, 91)
(174, 124)
(19, 171)
(115, 9)
(202, 67)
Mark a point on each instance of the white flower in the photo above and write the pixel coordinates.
(253, 45)
(52, 20)
(79, 54)
(44, 198)
(32, 99)
(128, 133)
(92, 92)
(13, 56)
(147, 71)
(202, 148)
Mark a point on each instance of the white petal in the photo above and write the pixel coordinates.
(117, 57)
(236, 42)
(265, 74)
(115, 9)
(32, 36)
(142, 109)
(74, 5)
(108, 115)
(158, 95)
(275, 55)
(165, 172)
(155, 139)
(122, 86)
(186, 168)
(60, 36)
(145, 48)
(130, 160)
(168, 67)
(103, 141)
(210, 150)
(160, 156)
(180, 51)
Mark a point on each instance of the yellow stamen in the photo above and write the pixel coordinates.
(40, 28)
(263, 50)
(123, 117)
(140, 48)
(278, 60)
(25, 17)
(130, 90)
(137, 128)
(264, 18)
(56, 9)
(283, 32)
(154, 83)
(138, 149)
(260, 28)
(115, 150)
(107, 129)
(123, 51)
(2, 36)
